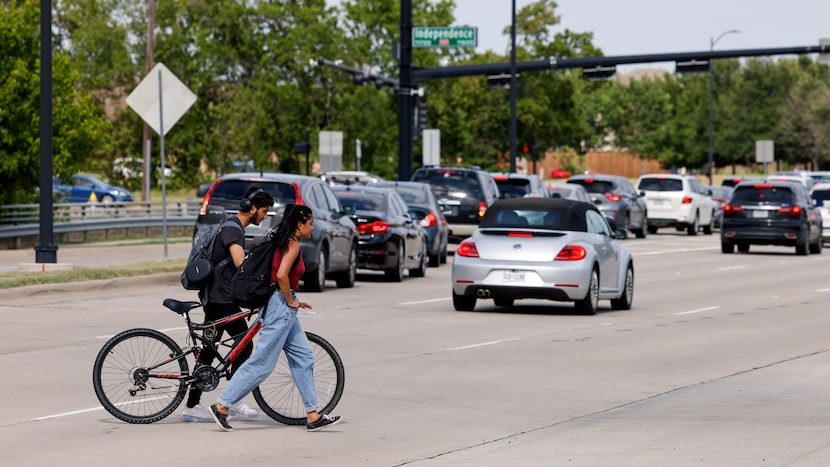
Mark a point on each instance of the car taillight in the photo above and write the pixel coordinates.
(612, 196)
(467, 249)
(687, 200)
(792, 211)
(482, 208)
(204, 209)
(730, 209)
(429, 220)
(373, 227)
(572, 253)
(297, 193)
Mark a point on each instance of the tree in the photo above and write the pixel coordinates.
(79, 126)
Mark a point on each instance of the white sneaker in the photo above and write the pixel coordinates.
(199, 413)
(241, 410)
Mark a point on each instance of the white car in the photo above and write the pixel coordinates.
(821, 197)
(678, 201)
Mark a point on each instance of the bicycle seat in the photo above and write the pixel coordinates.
(180, 307)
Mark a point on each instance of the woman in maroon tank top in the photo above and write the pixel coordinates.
(281, 330)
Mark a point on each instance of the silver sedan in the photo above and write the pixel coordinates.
(541, 248)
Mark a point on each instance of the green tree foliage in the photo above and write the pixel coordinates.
(79, 125)
(251, 64)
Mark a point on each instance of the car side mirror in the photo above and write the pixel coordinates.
(348, 210)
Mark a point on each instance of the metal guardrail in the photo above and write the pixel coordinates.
(18, 222)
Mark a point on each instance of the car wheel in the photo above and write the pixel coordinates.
(588, 305)
(444, 252)
(316, 280)
(643, 230)
(627, 297)
(435, 260)
(463, 302)
(346, 279)
(505, 302)
(421, 270)
(815, 248)
(803, 249)
(692, 228)
(708, 228)
(743, 247)
(652, 230)
(395, 274)
(107, 199)
(727, 247)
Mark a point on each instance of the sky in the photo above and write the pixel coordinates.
(634, 27)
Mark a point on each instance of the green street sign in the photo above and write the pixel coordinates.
(444, 37)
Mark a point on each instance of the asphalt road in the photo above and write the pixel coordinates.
(722, 361)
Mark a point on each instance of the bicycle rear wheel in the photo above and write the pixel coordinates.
(278, 396)
(140, 376)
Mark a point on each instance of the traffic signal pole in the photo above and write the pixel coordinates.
(405, 94)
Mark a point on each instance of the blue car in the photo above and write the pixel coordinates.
(426, 210)
(83, 188)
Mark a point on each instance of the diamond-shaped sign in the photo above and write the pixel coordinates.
(177, 98)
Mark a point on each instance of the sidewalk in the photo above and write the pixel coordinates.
(96, 254)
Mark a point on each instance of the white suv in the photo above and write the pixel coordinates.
(821, 197)
(678, 201)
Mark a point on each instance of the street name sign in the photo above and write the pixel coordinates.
(444, 37)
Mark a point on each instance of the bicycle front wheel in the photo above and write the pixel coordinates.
(140, 376)
(278, 396)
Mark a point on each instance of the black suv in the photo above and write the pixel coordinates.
(464, 194)
(332, 249)
(618, 201)
(771, 213)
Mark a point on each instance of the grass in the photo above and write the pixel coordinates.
(19, 279)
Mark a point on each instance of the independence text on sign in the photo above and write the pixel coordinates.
(444, 37)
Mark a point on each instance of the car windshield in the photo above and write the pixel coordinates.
(283, 193)
(412, 195)
(660, 184)
(594, 186)
(763, 195)
(363, 201)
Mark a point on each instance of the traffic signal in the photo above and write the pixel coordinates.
(526, 148)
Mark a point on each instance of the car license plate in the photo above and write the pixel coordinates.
(514, 276)
(760, 213)
(658, 202)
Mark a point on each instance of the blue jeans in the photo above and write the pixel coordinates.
(280, 331)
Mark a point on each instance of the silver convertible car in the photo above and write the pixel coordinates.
(540, 248)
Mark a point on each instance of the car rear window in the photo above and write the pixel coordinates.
(512, 187)
(821, 196)
(594, 186)
(547, 219)
(283, 193)
(763, 194)
(363, 201)
(412, 195)
(451, 182)
(660, 184)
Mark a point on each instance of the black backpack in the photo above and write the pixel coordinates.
(251, 286)
(199, 268)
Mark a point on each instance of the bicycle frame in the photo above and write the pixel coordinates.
(228, 359)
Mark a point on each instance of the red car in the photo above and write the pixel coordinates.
(559, 173)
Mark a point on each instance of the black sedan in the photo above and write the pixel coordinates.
(771, 213)
(426, 210)
(389, 238)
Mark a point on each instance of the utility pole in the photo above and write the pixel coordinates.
(45, 250)
(710, 168)
(513, 93)
(147, 141)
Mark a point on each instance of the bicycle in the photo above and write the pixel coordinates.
(142, 375)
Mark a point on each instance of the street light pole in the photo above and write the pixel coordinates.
(710, 168)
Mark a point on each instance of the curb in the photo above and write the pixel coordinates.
(41, 290)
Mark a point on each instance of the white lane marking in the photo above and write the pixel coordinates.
(729, 268)
(699, 310)
(66, 414)
(161, 330)
(464, 347)
(426, 301)
(676, 250)
(823, 290)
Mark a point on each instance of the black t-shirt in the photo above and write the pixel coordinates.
(219, 289)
